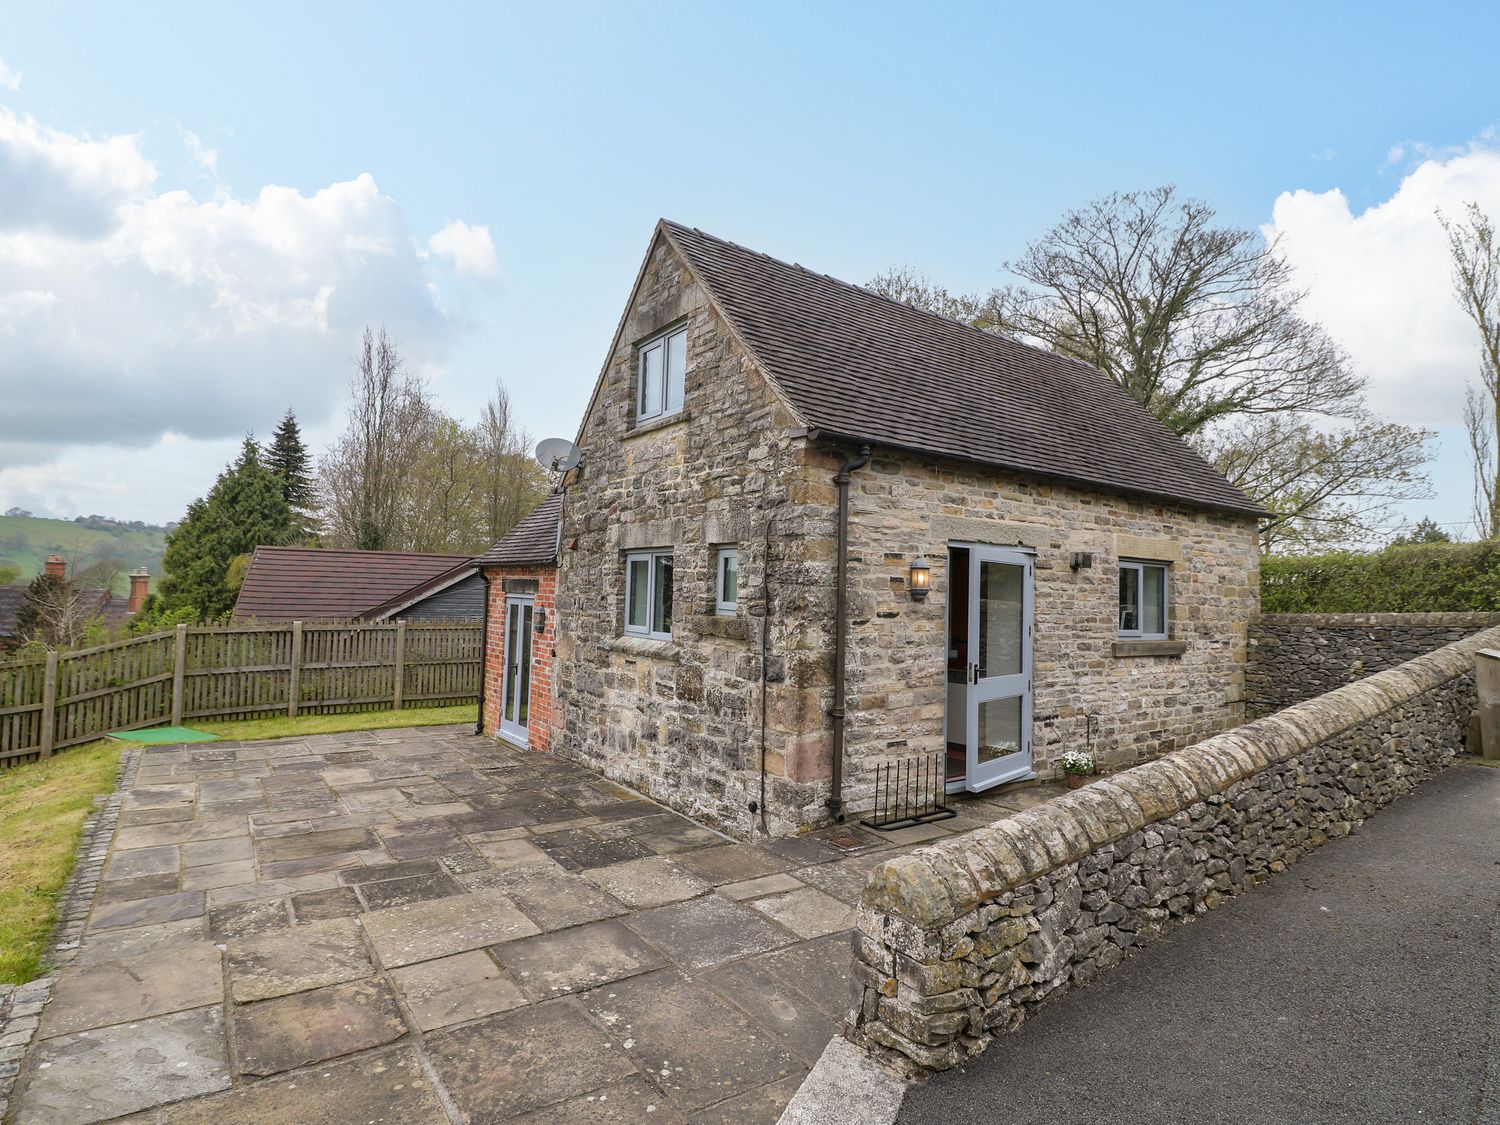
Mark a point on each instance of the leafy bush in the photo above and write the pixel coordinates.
(1406, 578)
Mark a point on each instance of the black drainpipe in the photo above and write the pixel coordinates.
(841, 628)
(484, 649)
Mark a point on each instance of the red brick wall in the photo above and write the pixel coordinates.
(543, 698)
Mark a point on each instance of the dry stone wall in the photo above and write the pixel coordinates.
(959, 942)
(1296, 656)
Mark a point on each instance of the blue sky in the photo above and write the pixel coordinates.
(847, 137)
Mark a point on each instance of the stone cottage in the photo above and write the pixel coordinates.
(815, 529)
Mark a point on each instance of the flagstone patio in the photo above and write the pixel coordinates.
(423, 925)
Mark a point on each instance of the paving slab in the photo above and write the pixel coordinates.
(226, 849)
(624, 1103)
(272, 1036)
(144, 886)
(406, 869)
(117, 945)
(576, 959)
(525, 1060)
(385, 1088)
(215, 875)
(424, 931)
(808, 912)
(98, 1075)
(762, 1104)
(765, 885)
(732, 863)
(243, 919)
(556, 900)
(296, 960)
(644, 883)
(707, 931)
(693, 1045)
(162, 860)
(150, 984)
(331, 841)
(795, 1021)
(506, 854)
(336, 902)
(455, 989)
(147, 911)
(400, 892)
(818, 969)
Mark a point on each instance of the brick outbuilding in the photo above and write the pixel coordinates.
(520, 621)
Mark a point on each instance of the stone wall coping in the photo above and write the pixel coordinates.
(937, 884)
(1378, 620)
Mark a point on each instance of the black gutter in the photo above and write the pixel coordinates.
(841, 627)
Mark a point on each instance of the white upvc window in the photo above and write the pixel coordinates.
(727, 582)
(1144, 600)
(648, 594)
(662, 369)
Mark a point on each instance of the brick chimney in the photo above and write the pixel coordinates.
(140, 585)
(56, 566)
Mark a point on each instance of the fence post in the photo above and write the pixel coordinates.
(400, 663)
(49, 705)
(179, 673)
(294, 687)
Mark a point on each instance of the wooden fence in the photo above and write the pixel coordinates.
(232, 672)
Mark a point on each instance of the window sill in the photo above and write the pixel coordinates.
(644, 646)
(1149, 648)
(643, 428)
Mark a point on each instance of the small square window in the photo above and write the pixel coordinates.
(727, 583)
(1143, 600)
(648, 594)
(662, 372)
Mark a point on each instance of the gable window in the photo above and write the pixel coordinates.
(727, 582)
(1143, 600)
(662, 368)
(648, 594)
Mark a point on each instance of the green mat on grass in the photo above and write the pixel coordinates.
(156, 736)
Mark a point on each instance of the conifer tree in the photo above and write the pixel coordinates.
(288, 458)
(245, 509)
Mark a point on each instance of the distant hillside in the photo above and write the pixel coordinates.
(28, 540)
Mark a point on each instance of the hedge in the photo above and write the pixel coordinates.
(1416, 578)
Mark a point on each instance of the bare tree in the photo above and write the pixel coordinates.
(913, 287)
(365, 477)
(1202, 324)
(513, 481)
(1476, 283)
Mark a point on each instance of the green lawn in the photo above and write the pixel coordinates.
(42, 809)
(331, 724)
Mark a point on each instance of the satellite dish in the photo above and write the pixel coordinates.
(558, 454)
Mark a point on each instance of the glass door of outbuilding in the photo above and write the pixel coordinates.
(998, 697)
(515, 692)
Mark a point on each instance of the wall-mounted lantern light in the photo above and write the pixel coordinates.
(921, 579)
(1081, 560)
(539, 622)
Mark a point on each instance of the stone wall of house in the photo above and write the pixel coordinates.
(541, 583)
(1089, 691)
(692, 720)
(1295, 656)
(960, 941)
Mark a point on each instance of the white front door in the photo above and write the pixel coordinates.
(998, 698)
(515, 691)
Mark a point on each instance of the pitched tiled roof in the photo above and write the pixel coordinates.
(433, 585)
(92, 602)
(307, 584)
(533, 541)
(859, 366)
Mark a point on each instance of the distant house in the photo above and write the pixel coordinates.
(308, 584)
(95, 604)
(815, 531)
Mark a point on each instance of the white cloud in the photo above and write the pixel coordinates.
(129, 313)
(470, 249)
(1379, 280)
(203, 156)
(9, 77)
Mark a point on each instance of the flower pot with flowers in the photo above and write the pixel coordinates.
(1077, 767)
